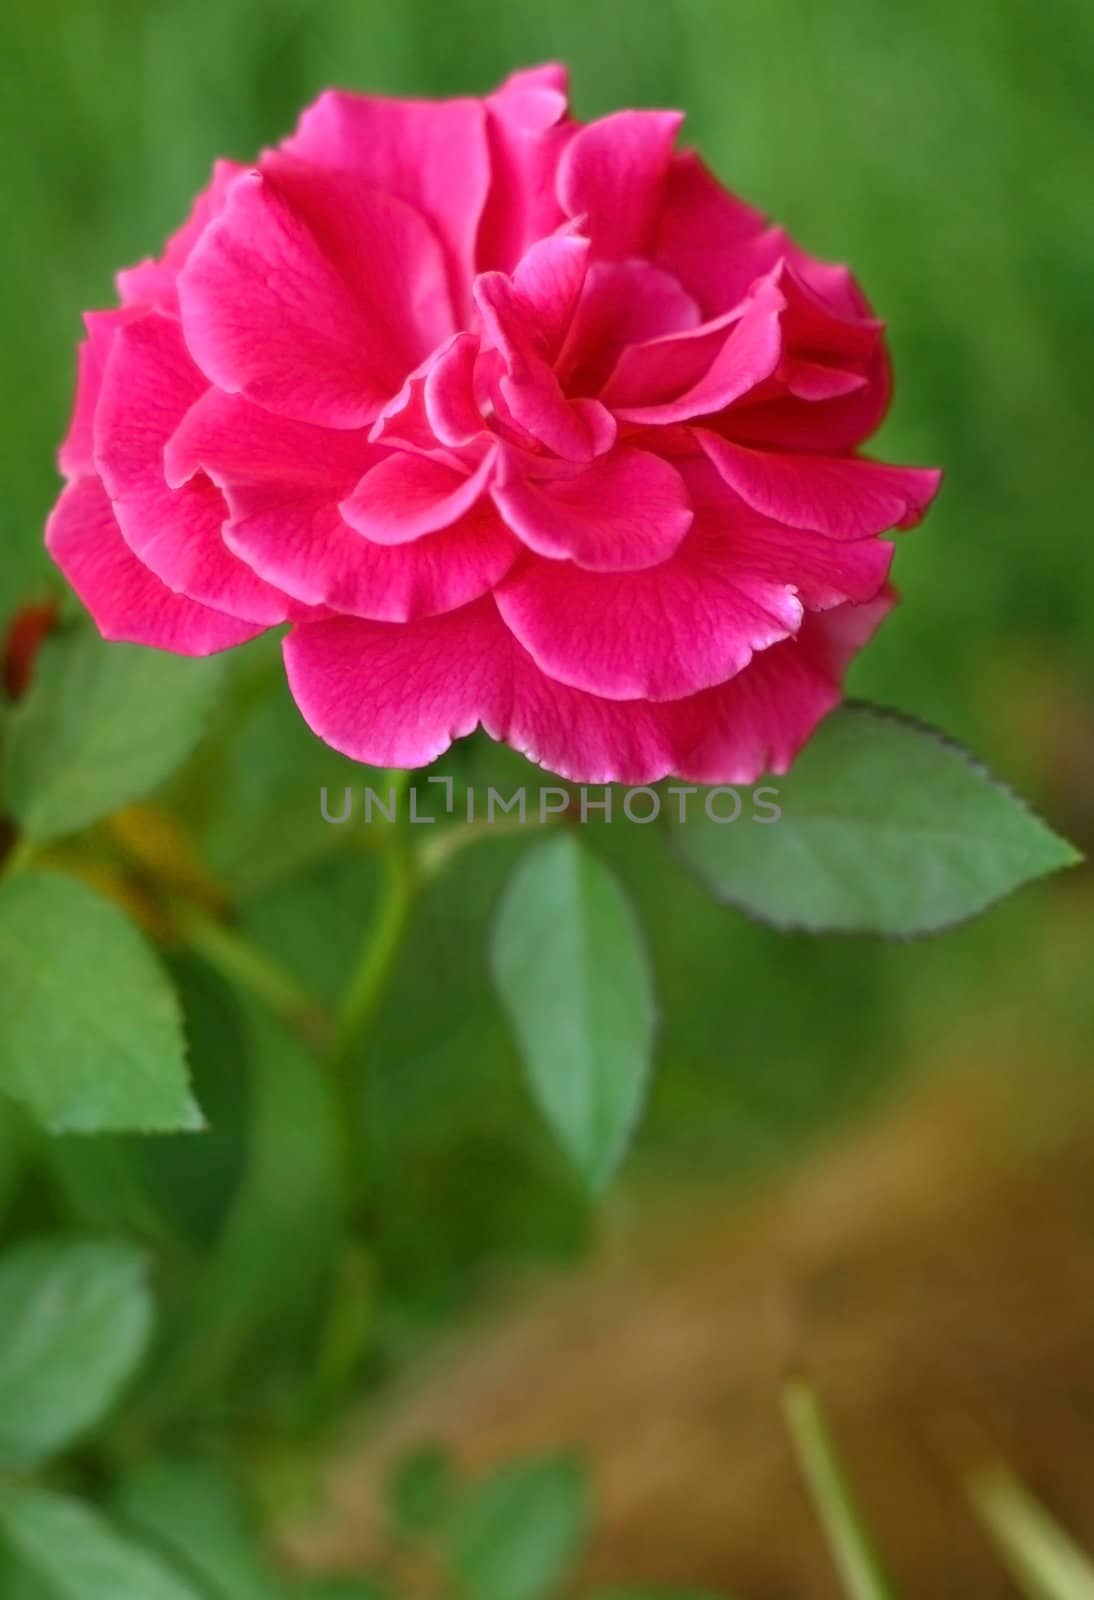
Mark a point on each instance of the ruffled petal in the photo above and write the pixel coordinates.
(735, 361)
(283, 480)
(525, 318)
(398, 696)
(626, 510)
(431, 154)
(302, 544)
(148, 386)
(621, 303)
(659, 634)
(759, 720)
(76, 456)
(407, 495)
(527, 129)
(612, 175)
(708, 238)
(127, 602)
(314, 294)
(841, 496)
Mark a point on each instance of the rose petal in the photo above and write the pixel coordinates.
(841, 496)
(398, 696)
(148, 386)
(303, 545)
(747, 355)
(407, 495)
(707, 238)
(76, 456)
(659, 634)
(126, 601)
(621, 303)
(612, 174)
(432, 154)
(313, 294)
(626, 510)
(528, 130)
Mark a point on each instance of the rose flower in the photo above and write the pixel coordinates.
(515, 422)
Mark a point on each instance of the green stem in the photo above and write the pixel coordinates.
(851, 1546)
(236, 958)
(435, 854)
(1045, 1562)
(375, 960)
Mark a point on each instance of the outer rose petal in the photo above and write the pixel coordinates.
(399, 693)
(398, 696)
(313, 295)
(76, 456)
(407, 495)
(430, 153)
(612, 173)
(841, 496)
(149, 384)
(125, 600)
(659, 634)
(759, 720)
(626, 510)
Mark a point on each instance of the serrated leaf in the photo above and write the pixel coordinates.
(90, 1033)
(517, 1535)
(572, 973)
(103, 724)
(75, 1321)
(75, 1555)
(886, 827)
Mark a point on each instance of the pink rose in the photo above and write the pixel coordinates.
(516, 422)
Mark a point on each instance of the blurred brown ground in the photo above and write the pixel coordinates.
(932, 1269)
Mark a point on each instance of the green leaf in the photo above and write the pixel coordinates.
(90, 1034)
(261, 1288)
(102, 725)
(76, 1555)
(517, 1535)
(572, 972)
(1044, 1561)
(849, 1540)
(886, 827)
(77, 1315)
(196, 1513)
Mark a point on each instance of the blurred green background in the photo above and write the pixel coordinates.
(947, 152)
